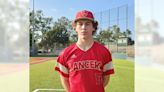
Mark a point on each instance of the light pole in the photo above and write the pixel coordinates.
(33, 27)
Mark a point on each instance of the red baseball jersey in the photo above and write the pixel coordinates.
(85, 69)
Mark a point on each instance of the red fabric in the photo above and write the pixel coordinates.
(84, 15)
(63, 74)
(109, 72)
(85, 67)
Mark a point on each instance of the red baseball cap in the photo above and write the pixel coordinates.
(84, 14)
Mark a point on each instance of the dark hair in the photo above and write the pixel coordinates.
(95, 25)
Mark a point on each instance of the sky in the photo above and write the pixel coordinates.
(68, 8)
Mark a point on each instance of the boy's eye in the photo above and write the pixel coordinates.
(87, 24)
(80, 24)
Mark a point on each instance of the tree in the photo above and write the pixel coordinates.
(59, 35)
(115, 32)
(127, 33)
(48, 41)
(61, 30)
(104, 36)
(39, 24)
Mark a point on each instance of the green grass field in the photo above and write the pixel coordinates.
(42, 75)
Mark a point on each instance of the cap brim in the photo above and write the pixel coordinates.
(84, 19)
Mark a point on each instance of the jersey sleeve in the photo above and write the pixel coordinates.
(61, 65)
(108, 65)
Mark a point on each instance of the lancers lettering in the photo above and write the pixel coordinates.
(86, 64)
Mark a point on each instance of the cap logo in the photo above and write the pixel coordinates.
(85, 13)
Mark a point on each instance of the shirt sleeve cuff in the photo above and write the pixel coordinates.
(61, 73)
(109, 72)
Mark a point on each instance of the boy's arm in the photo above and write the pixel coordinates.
(106, 80)
(65, 83)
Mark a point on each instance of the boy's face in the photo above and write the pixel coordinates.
(84, 29)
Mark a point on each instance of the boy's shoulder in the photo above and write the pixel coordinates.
(101, 49)
(100, 46)
(69, 49)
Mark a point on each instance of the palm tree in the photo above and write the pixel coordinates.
(128, 33)
(115, 32)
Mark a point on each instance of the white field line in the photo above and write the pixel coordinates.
(58, 90)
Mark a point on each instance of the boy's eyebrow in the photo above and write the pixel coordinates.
(88, 22)
(85, 21)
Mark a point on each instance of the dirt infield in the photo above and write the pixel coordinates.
(36, 60)
(11, 68)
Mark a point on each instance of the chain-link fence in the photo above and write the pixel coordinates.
(115, 16)
(119, 16)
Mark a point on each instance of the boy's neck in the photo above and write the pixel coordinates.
(85, 44)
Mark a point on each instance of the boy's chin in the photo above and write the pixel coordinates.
(84, 37)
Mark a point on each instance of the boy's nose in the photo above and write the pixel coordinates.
(83, 26)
